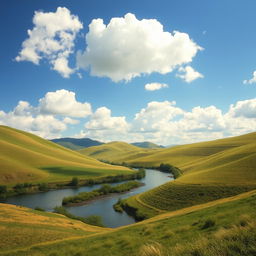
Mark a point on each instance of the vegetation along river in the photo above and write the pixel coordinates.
(102, 207)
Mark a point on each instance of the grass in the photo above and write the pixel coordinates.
(117, 152)
(103, 190)
(21, 227)
(205, 230)
(28, 158)
(210, 170)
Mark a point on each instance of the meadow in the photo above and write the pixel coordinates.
(205, 230)
(28, 158)
(208, 210)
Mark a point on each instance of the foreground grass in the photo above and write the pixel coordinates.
(191, 231)
(172, 196)
(22, 227)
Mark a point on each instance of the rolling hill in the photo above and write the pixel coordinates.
(116, 151)
(146, 144)
(76, 144)
(207, 229)
(210, 170)
(25, 157)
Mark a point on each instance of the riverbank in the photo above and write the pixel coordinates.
(84, 197)
(29, 188)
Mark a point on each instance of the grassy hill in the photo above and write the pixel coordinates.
(146, 144)
(210, 170)
(116, 151)
(25, 157)
(205, 230)
(22, 227)
(76, 144)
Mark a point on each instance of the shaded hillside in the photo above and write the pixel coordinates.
(25, 157)
(76, 144)
(146, 144)
(117, 152)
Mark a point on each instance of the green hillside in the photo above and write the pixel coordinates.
(116, 151)
(206, 230)
(210, 170)
(76, 144)
(25, 157)
(146, 144)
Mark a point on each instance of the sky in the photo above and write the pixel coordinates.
(167, 71)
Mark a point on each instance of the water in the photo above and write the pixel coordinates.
(102, 207)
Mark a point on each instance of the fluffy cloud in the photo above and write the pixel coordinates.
(52, 38)
(63, 102)
(50, 118)
(252, 80)
(155, 116)
(188, 74)
(128, 47)
(246, 108)
(43, 125)
(105, 127)
(155, 86)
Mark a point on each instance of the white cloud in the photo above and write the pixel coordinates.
(63, 102)
(44, 120)
(155, 86)
(43, 125)
(103, 126)
(68, 120)
(246, 108)
(128, 47)
(52, 38)
(252, 80)
(102, 120)
(189, 74)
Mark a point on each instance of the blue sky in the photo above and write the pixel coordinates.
(201, 77)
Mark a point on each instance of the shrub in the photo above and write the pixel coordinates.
(74, 182)
(208, 224)
(3, 189)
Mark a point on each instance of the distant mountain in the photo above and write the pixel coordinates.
(76, 144)
(146, 144)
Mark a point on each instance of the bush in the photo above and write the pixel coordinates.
(74, 182)
(3, 189)
(208, 224)
(43, 187)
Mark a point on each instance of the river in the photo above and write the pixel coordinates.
(102, 207)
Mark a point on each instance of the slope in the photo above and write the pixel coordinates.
(25, 157)
(116, 151)
(146, 144)
(207, 229)
(76, 144)
(22, 227)
(211, 170)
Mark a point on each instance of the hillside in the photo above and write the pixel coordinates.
(211, 170)
(76, 144)
(116, 151)
(146, 144)
(22, 227)
(25, 157)
(206, 229)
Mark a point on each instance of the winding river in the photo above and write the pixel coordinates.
(102, 207)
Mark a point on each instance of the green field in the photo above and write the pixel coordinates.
(117, 152)
(210, 170)
(204, 230)
(28, 158)
(209, 210)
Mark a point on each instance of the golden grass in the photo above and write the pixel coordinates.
(23, 156)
